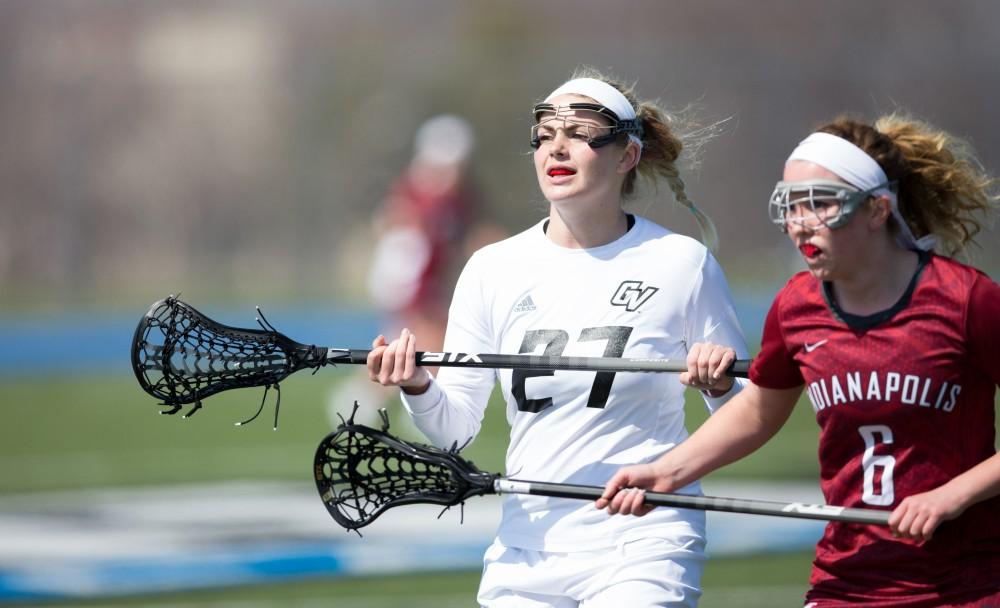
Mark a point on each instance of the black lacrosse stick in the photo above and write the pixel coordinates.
(181, 356)
(360, 472)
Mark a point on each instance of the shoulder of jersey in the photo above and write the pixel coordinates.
(798, 281)
(678, 246)
(954, 267)
(507, 250)
(800, 287)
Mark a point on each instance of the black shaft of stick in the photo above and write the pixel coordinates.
(705, 503)
(738, 369)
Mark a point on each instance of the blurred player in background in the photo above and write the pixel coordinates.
(421, 227)
(424, 230)
(590, 279)
(895, 345)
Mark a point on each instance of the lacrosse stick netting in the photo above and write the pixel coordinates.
(361, 472)
(181, 356)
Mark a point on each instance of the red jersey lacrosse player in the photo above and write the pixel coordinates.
(892, 343)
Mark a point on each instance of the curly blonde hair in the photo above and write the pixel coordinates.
(942, 188)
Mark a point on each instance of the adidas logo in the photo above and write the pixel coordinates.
(525, 305)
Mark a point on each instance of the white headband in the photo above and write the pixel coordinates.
(601, 92)
(857, 168)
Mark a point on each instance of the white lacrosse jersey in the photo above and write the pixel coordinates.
(649, 294)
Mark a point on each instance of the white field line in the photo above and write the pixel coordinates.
(453, 600)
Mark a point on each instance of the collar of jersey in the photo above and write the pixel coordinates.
(636, 224)
(865, 322)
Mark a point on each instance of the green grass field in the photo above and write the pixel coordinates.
(85, 432)
(766, 581)
(78, 432)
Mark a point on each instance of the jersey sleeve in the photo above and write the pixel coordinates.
(774, 366)
(451, 410)
(983, 326)
(711, 317)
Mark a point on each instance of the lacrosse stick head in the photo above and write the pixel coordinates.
(181, 356)
(361, 472)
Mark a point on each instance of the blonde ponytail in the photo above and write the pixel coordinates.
(661, 147)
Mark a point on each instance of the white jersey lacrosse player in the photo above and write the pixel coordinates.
(646, 295)
(591, 280)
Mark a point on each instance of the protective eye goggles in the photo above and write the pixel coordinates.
(817, 202)
(583, 121)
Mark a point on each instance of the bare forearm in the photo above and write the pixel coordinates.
(919, 515)
(978, 483)
(738, 429)
(741, 426)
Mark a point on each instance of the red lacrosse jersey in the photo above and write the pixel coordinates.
(905, 402)
(439, 212)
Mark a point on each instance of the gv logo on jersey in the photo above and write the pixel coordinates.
(632, 295)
